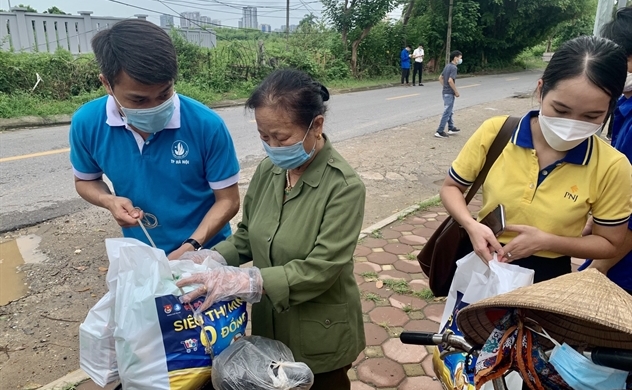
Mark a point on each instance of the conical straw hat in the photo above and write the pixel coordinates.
(581, 309)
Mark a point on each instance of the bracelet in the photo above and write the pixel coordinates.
(196, 245)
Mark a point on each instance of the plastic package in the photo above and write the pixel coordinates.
(258, 363)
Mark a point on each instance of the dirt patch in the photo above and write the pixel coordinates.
(39, 333)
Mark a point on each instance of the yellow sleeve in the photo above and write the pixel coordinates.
(471, 158)
(614, 205)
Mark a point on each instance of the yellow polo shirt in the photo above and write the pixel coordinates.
(592, 177)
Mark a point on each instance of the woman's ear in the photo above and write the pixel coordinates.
(317, 125)
(538, 91)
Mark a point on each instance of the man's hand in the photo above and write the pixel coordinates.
(456, 94)
(123, 211)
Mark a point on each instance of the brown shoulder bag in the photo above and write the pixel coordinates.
(450, 242)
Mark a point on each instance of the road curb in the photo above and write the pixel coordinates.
(60, 120)
(69, 379)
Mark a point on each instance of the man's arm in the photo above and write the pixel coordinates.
(453, 86)
(223, 210)
(98, 193)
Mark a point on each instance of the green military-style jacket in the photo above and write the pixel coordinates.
(304, 247)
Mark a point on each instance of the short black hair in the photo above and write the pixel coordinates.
(619, 29)
(139, 48)
(455, 54)
(293, 90)
(420, 44)
(407, 46)
(600, 60)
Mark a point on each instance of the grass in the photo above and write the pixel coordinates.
(399, 286)
(367, 296)
(369, 275)
(425, 294)
(376, 234)
(432, 202)
(411, 256)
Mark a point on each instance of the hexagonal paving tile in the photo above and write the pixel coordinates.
(394, 274)
(382, 258)
(414, 220)
(361, 251)
(434, 312)
(370, 287)
(359, 359)
(429, 215)
(418, 283)
(359, 279)
(402, 301)
(433, 224)
(381, 372)
(424, 232)
(413, 240)
(404, 353)
(374, 242)
(408, 266)
(374, 334)
(398, 249)
(419, 383)
(367, 306)
(360, 268)
(428, 365)
(357, 385)
(389, 315)
(404, 227)
(388, 233)
(422, 326)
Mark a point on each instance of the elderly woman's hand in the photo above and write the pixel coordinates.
(484, 241)
(528, 241)
(224, 283)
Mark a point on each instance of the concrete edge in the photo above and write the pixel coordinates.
(79, 375)
(70, 379)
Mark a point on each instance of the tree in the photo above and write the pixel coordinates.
(354, 19)
(28, 8)
(308, 22)
(55, 11)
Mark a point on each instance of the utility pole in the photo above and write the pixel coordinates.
(9, 5)
(622, 4)
(604, 15)
(287, 25)
(449, 37)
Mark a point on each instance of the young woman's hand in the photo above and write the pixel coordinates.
(484, 241)
(528, 241)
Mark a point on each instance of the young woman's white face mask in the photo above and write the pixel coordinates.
(572, 112)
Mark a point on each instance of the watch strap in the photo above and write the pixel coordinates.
(196, 245)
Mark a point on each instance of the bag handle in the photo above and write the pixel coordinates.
(501, 140)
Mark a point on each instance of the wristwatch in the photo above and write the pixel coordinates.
(196, 245)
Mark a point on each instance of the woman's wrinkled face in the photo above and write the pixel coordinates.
(277, 128)
(577, 99)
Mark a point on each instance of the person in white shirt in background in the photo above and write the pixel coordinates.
(418, 55)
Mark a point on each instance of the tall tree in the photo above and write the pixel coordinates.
(28, 8)
(55, 11)
(354, 19)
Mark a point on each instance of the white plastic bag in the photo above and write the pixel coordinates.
(474, 281)
(97, 355)
(159, 345)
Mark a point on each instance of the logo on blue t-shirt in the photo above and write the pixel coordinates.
(180, 149)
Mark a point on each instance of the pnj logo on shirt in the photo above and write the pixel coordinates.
(179, 151)
(572, 195)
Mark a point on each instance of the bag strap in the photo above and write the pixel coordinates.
(501, 140)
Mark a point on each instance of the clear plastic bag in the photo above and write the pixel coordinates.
(258, 363)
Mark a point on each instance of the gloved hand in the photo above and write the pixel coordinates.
(224, 283)
(198, 257)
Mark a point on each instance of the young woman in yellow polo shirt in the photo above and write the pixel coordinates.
(554, 171)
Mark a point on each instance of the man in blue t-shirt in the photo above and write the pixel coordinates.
(404, 58)
(449, 93)
(171, 160)
(619, 30)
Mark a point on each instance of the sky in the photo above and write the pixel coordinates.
(270, 12)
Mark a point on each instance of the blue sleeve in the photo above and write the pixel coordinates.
(402, 56)
(81, 156)
(221, 161)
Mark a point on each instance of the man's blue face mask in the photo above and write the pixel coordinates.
(149, 120)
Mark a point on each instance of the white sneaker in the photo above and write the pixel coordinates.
(441, 135)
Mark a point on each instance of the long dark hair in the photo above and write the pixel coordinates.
(602, 62)
(294, 91)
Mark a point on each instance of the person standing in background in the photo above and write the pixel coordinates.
(418, 56)
(405, 63)
(449, 93)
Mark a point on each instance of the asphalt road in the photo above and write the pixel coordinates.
(36, 181)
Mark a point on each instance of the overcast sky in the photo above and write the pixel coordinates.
(270, 12)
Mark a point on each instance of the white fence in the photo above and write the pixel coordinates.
(34, 32)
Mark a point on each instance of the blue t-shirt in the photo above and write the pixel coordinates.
(405, 58)
(171, 175)
(621, 273)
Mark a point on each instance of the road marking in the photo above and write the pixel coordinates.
(401, 97)
(252, 121)
(513, 78)
(39, 154)
(469, 86)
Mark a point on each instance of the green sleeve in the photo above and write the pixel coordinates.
(301, 280)
(236, 248)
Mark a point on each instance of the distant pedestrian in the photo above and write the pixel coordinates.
(405, 61)
(418, 56)
(448, 81)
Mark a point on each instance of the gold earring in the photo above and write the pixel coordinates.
(318, 137)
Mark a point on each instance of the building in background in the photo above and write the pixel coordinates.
(216, 22)
(166, 21)
(240, 24)
(249, 19)
(266, 28)
(205, 20)
(293, 27)
(189, 19)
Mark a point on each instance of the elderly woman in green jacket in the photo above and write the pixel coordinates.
(302, 215)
